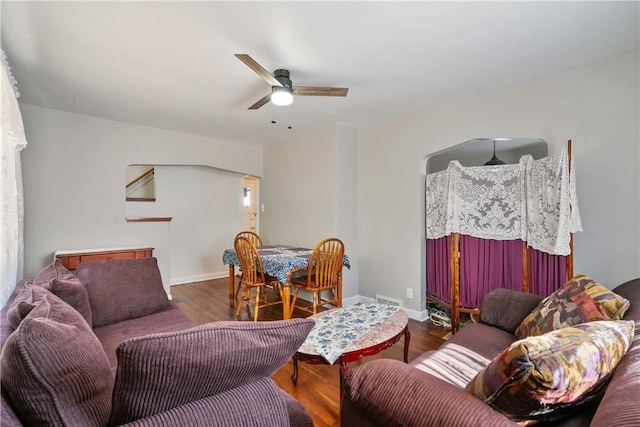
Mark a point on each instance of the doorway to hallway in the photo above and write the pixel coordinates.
(249, 204)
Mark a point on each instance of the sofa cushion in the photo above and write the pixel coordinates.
(54, 369)
(55, 270)
(163, 371)
(390, 393)
(73, 292)
(548, 376)
(520, 305)
(580, 300)
(487, 341)
(122, 289)
(24, 302)
(170, 320)
(297, 415)
(260, 403)
(452, 363)
(631, 291)
(616, 409)
(57, 279)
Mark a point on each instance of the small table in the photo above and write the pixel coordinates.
(372, 342)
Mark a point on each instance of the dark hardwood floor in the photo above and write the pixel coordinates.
(318, 385)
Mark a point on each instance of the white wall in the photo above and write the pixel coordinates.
(206, 209)
(74, 179)
(347, 204)
(595, 105)
(309, 191)
(299, 190)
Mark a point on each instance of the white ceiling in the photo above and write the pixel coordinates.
(171, 65)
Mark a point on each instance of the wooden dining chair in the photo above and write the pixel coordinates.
(324, 274)
(253, 282)
(253, 237)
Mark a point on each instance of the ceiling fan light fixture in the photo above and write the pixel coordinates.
(281, 95)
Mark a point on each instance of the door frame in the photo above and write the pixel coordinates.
(251, 182)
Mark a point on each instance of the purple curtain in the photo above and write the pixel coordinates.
(438, 270)
(489, 264)
(486, 265)
(546, 272)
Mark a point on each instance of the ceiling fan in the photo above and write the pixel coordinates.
(282, 89)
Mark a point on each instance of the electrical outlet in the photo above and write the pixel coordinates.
(409, 293)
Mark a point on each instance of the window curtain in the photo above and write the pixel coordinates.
(12, 141)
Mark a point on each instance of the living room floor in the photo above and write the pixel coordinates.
(318, 385)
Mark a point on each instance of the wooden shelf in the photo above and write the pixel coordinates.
(141, 199)
(151, 219)
(71, 259)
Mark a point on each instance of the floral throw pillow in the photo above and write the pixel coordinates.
(580, 300)
(549, 376)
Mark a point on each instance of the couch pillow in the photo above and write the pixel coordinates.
(24, 302)
(55, 370)
(55, 270)
(56, 278)
(549, 376)
(73, 292)
(580, 300)
(123, 289)
(163, 371)
(520, 305)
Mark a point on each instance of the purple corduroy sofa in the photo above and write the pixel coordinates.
(106, 347)
(391, 393)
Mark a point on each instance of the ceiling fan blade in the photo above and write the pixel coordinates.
(251, 63)
(320, 91)
(261, 102)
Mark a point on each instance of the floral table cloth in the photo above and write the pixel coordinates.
(336, 330)
(278, 261)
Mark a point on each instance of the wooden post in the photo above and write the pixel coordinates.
(525, 267)
(570, 256)
(454, 260)
(232, 293)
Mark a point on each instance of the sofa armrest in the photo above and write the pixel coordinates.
(388, 392)
(258, 403)
(160, 372)
(505, 308)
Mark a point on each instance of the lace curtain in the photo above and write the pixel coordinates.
(552, 204)
(534, 201)
(12, 141)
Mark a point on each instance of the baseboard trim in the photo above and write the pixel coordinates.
(201, 278)
(420, 316)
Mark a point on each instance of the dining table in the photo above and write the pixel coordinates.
(281, 262)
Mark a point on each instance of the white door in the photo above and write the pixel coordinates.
(249, 198)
